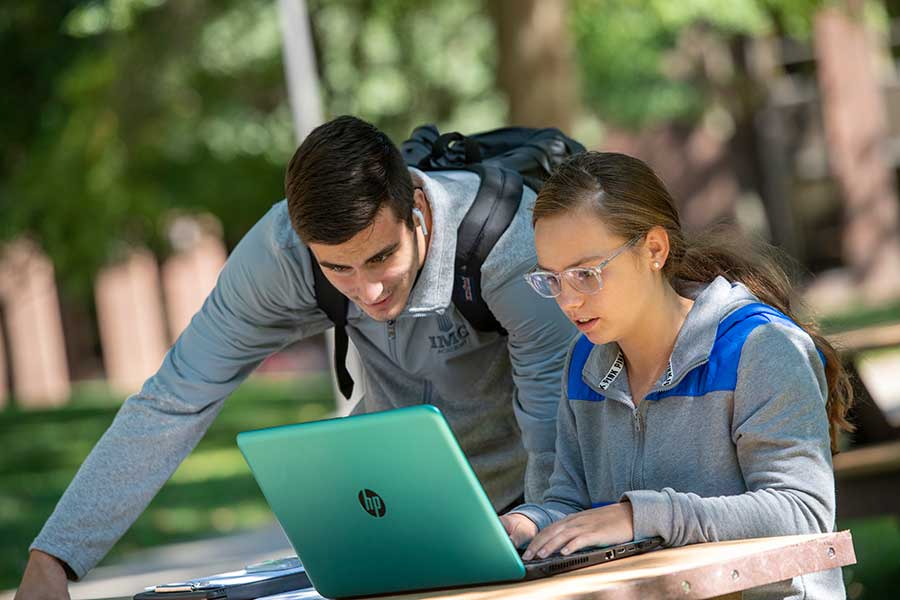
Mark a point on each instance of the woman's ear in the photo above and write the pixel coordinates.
(656, 248)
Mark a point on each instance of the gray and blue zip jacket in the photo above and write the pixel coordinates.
(732, 442)
(499, 394)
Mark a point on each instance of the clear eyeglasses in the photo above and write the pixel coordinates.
(586, 280)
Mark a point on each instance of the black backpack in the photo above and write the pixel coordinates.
(506, 160)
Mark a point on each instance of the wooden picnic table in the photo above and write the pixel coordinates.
(715, 570)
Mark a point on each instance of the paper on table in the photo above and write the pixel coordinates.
(250, 574)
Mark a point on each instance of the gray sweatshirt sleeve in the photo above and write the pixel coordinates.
(568, 491)
(244, 319)
(539, 334)
(780, 429)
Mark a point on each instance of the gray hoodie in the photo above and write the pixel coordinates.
(732, 442)
(499, 394)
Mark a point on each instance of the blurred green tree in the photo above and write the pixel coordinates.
(119, 110)
(142, 106)
(651, 61)
(401, 63)
(124, 109)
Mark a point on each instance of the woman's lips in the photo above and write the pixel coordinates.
(585, 325)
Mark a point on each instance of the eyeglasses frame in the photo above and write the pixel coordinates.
(595, 270)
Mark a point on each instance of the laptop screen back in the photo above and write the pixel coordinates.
(380, 503)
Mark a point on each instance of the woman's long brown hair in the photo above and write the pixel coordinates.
(630, 200)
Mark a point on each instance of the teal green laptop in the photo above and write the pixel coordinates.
(387, 502)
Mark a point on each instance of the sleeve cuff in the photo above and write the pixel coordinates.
(535, 513)
(651, 514)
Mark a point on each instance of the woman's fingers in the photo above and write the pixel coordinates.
(521, 534)
(550, 540)
(580, 542)
(519, 528)
(509, 524)
(603, 526)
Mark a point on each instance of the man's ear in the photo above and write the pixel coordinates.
(421, 210)
(420, 200)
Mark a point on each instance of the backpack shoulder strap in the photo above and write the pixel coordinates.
(491, 213)
(334, 304)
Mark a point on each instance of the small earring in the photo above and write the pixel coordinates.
(655, 264)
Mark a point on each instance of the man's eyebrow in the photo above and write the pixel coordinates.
(386, 250)
(329, 265)
(578, 262)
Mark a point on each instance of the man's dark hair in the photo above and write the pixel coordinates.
(341, 176)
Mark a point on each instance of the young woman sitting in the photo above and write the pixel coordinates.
(695, 407)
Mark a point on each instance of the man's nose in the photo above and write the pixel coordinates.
(367, 290)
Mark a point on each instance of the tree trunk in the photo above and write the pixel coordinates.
(536, 62)
(856, 130)
(40, 373)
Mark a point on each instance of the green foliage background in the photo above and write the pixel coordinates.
(116, 112)
(127, 109)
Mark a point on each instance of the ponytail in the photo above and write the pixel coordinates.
(727, 253)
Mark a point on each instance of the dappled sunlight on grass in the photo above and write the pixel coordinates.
(210, 464)
(212, 492)
(189, 521)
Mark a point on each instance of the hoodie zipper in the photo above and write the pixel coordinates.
(639, 421)
(392, 338)
(639, 425)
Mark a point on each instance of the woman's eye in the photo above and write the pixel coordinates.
(381, 258)
(338, 269)
(581, 274)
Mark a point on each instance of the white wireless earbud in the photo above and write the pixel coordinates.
(421, 219)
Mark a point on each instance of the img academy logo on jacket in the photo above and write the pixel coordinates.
(450, 337)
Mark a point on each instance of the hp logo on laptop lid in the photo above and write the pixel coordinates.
(372, 503)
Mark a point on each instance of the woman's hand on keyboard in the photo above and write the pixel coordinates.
(605, 526)
(519, 528)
